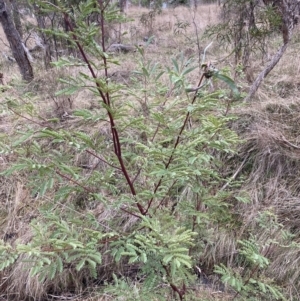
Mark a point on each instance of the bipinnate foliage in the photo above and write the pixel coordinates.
(250, 283)
(157, 147)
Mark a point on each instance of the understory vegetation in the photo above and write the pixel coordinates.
(144, 175)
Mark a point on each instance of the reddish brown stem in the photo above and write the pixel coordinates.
(176, 143)
(106, 100)
(161, 202)
(74, 181)
(130, 213)
(31, 120)
(136, 176)
(99, 158)
(180, 292)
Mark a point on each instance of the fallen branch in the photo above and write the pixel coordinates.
(235, 174)
(121, 48)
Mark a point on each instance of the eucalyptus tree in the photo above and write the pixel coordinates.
(248, 25)
(19, 50)
(16, 16)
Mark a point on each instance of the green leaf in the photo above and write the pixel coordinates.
(96, 257)
(133, 259)
(80, 264)
(92, 263)
(188, 70)
(175, 65)
(22, 138)
(144, 257)
(59, 265)
(228, 81)
(51, 133)
(185, 262)
(52, 271)
(16, 167)
(168, 258)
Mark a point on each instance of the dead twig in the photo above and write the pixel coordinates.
(235, 174)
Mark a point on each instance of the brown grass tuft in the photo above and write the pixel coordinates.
(272, 152)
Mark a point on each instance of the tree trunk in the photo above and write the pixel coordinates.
(41, 24)
(16, 17)
(122, 4)
(265, 72)
(15, 42)
(289, 14)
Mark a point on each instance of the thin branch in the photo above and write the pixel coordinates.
(136, 176)
(161, 202)
(197, 38)
(106, 99)
(99, 158)
(289, 143)
(31, 120)
(180, 292)
(4, 43)
(133, 214)
(265, 72)
(74, 181)
(156, 131)
(178, 137)
(255, 268)
(235, 174)
(196, 89)
(287, 25)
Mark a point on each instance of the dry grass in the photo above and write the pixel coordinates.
(271, 131)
